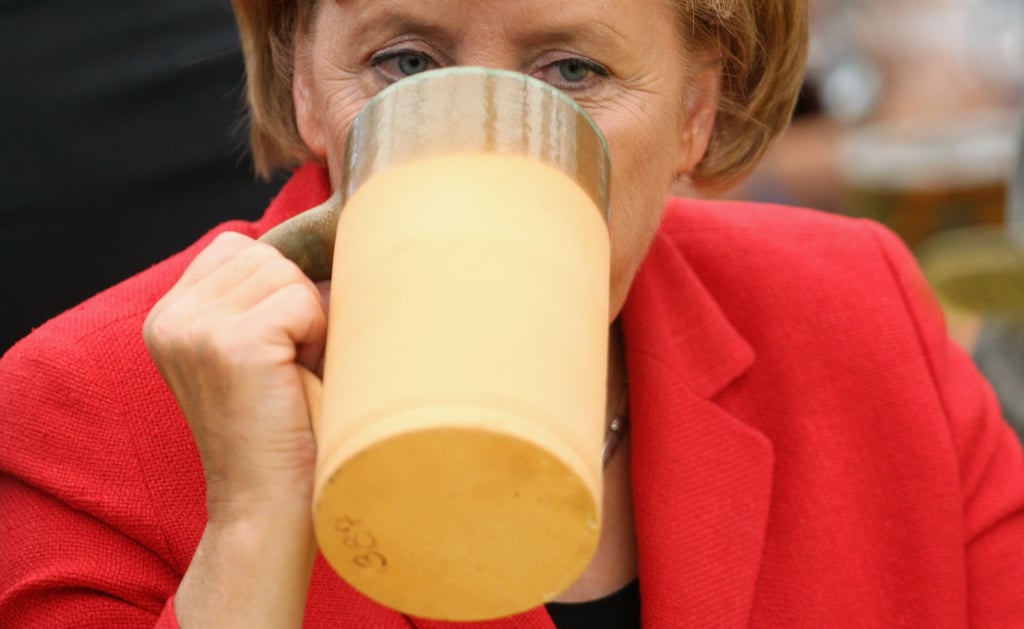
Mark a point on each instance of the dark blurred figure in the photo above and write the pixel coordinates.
(1000, 348)
(121, 144)
(1000, 356)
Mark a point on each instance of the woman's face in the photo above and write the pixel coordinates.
(621, 60)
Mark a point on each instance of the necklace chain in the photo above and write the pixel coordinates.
(616, 427)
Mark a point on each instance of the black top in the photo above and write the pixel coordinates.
(618, 610)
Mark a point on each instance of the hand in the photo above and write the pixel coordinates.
(228, 339)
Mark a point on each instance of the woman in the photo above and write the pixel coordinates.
(805, 446)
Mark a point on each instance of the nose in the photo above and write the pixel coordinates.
(488, 47)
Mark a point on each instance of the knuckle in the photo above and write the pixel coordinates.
(285, 268)
(230, 239)
(160, 327)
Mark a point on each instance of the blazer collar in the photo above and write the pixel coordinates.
(701, 477)
(308, 186)
(671, 314)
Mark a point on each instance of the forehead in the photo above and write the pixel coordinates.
(511, 17)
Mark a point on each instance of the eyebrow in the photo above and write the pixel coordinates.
(595, 33)
(381, 18)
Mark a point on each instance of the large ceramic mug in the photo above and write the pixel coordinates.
(459, 448)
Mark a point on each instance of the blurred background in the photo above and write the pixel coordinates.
(913, 115)
(121, 145)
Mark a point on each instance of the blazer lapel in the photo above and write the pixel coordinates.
(701, 477)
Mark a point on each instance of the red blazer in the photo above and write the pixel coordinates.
(809, 450)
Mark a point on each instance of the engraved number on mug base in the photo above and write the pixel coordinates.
(363, 543)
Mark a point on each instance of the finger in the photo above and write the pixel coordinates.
(253, 271)
(324, 288)
(207, 277)
(224, 247)
(291, 318)
(307, 356)
(262, 278)
(235, 356)
(211, 310)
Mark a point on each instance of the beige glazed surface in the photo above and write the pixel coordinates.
(459, 472)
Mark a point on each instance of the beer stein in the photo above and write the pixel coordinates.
(458, 473)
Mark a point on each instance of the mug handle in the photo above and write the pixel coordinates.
(307, 239)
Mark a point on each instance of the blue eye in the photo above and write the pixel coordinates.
(399, 64)
(574, 70)
(572, 73)
(412, 63)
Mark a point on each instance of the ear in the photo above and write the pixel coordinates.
(701, 105)
(308, 110)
